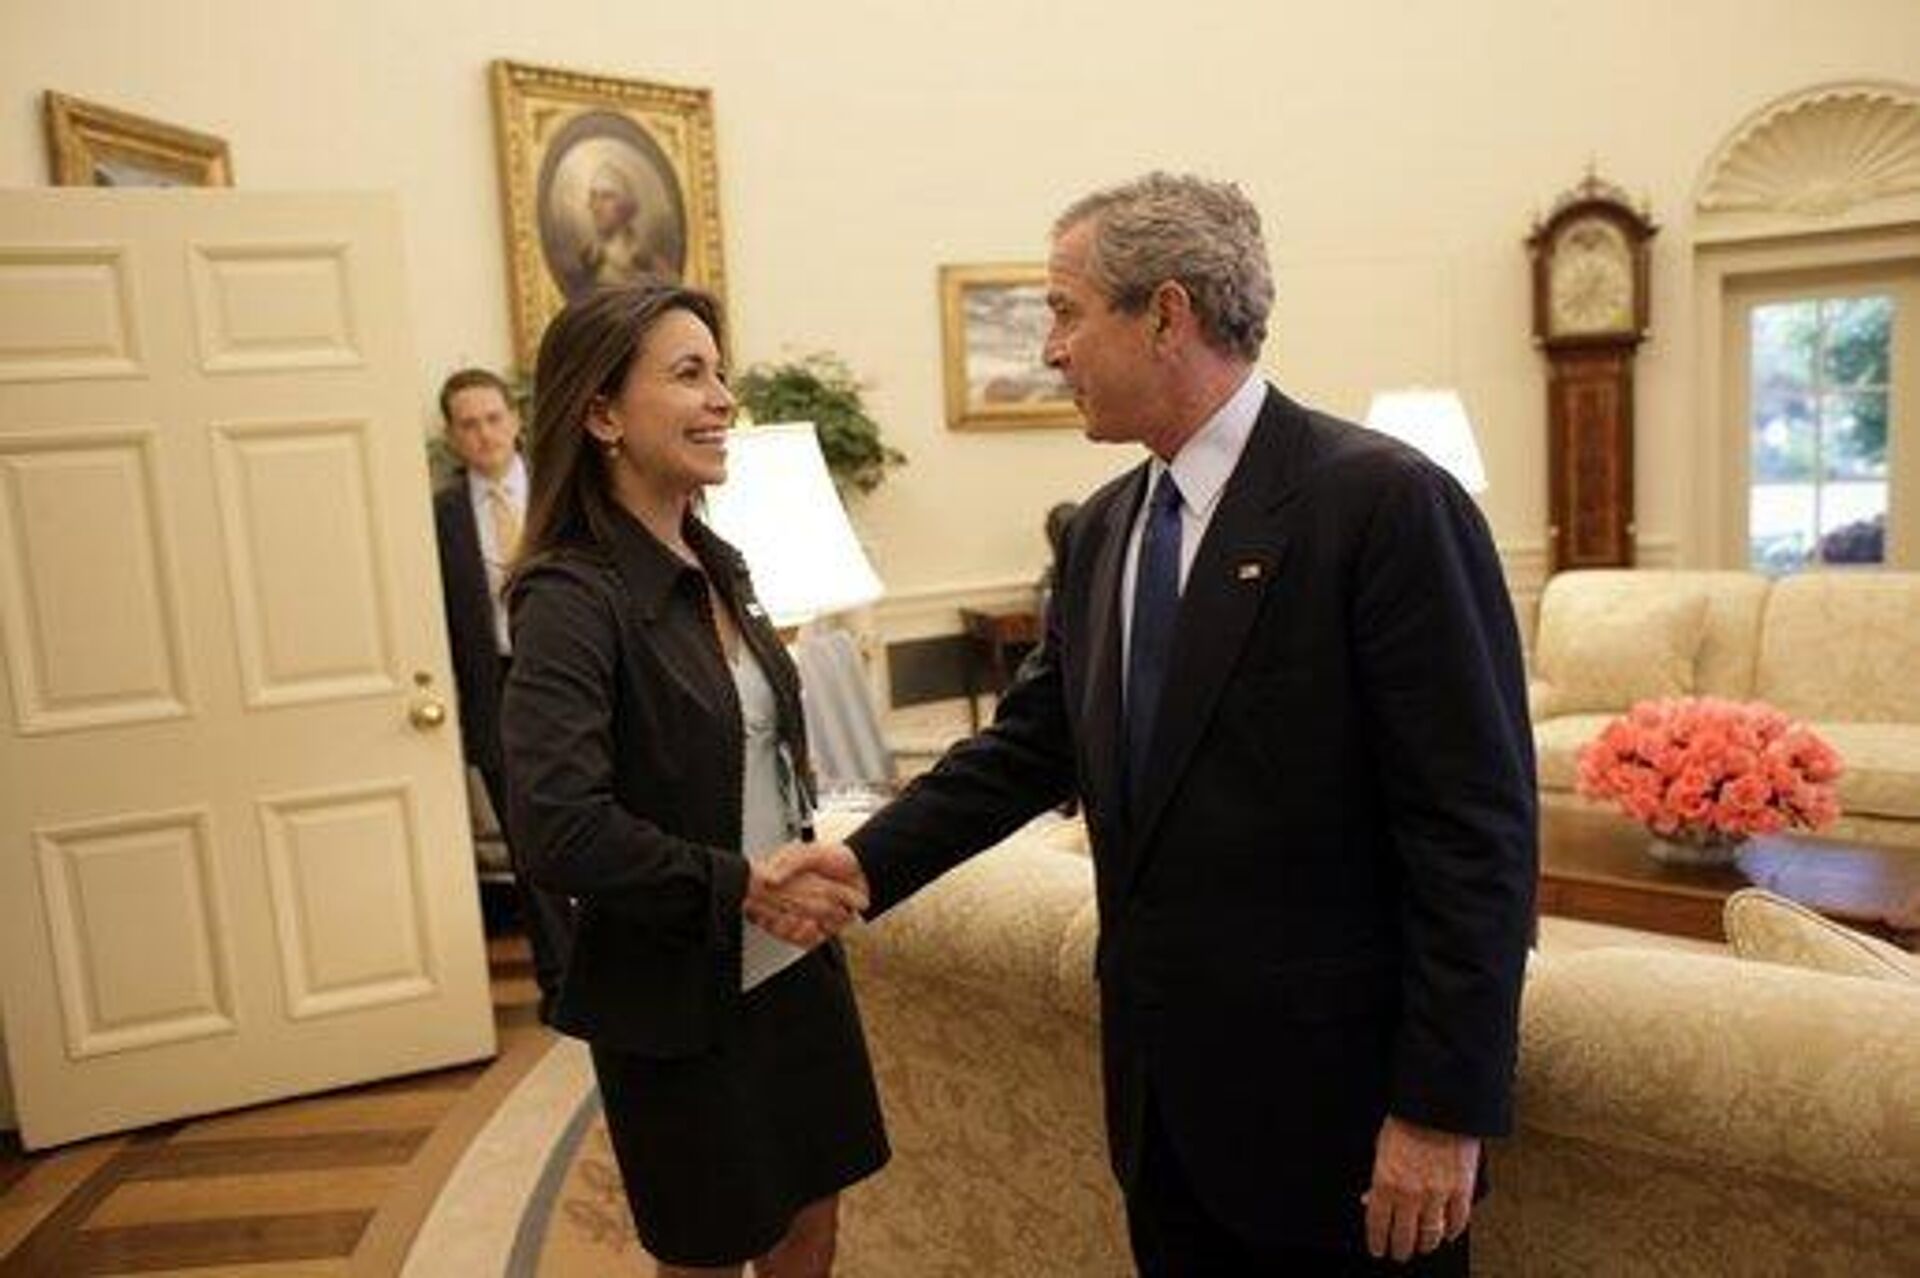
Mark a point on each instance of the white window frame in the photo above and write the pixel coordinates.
(1756, 274)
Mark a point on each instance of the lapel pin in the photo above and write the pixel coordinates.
(1249, 571)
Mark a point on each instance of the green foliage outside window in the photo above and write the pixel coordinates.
(1820, 368)
(1820, 373)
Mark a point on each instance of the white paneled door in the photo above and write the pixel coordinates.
(234, 862)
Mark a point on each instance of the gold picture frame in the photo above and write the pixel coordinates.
(93, 145)
(993, 324)
(601, 180)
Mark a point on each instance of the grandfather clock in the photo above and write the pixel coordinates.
(1589, 314)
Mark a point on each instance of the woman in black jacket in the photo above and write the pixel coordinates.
(652, 732)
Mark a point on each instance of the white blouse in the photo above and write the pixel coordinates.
(768, 808)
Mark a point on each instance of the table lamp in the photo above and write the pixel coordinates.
(1435, 422)
(780, 509)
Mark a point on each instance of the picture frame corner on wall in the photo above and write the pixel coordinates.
(604, 180)
(89, 144)
(994, 322)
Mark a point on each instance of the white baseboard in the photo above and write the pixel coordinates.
(928, 612)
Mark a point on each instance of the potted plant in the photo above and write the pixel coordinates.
(821, 389)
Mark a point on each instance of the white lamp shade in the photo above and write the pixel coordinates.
(780, 509)
(1435, 422)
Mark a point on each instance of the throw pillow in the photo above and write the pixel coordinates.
(1601, 651)
(1772, 929)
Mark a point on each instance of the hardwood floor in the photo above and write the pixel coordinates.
(325, 1185)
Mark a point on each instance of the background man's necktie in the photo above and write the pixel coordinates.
(1156, 605)
(506, 521)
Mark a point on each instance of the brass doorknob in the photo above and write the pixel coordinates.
(426, 711)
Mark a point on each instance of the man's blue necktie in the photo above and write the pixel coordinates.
(1156, 604)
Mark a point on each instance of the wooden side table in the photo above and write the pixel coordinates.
(996, 631)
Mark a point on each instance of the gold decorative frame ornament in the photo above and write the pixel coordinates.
(993, 322)
(601, 181)
(93, 145)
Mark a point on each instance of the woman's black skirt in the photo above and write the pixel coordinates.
(719, 1151)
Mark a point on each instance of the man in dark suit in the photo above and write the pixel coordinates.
(1281, 671)
(477, 520)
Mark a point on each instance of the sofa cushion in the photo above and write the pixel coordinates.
(1608, 644)
(1556, 745)
(1772, 929)
(1881, 761)
(1843, 646)
(1730, 637)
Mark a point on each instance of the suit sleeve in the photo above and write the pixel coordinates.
(982, 790)
(565, 818)
(469, 615)
(1444, 694)
(445, 542)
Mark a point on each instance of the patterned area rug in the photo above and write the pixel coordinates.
(584, 1227)
(537, 1192)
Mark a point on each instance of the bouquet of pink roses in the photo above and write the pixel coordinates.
(1705, 770)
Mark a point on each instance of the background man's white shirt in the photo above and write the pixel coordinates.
(492, 554)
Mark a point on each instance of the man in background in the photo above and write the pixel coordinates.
(1281, 671)
(477, 520)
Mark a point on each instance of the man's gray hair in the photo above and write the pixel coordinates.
(1204, 236)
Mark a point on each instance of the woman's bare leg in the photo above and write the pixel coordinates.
(807, 1250)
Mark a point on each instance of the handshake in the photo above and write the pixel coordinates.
(805, 893)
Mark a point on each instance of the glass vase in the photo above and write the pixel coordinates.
(1706, 848)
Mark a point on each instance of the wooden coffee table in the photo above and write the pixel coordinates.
(1595, 866)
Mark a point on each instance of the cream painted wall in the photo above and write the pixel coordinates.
(1398, 149)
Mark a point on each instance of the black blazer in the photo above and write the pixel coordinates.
(624, 756)
(1317, 908)
(469, 609)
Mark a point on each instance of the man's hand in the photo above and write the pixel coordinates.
(805, 893)
(1422, 1190)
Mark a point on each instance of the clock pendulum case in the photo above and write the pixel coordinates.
(1590, 269)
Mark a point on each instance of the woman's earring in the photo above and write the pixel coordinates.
(612, 446)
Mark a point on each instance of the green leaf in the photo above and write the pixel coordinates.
(820, 388)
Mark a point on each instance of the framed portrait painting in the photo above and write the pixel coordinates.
(994, 322)
(602, 181)
(93, 145)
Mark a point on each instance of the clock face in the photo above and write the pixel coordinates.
(1590, 287)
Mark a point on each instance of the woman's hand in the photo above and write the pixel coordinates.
(805, 893)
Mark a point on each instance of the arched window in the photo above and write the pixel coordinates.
(1806, 244)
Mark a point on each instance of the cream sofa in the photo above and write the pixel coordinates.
(1840, 650)
(1678, 1113)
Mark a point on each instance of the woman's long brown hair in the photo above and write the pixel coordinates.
(587, 352)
